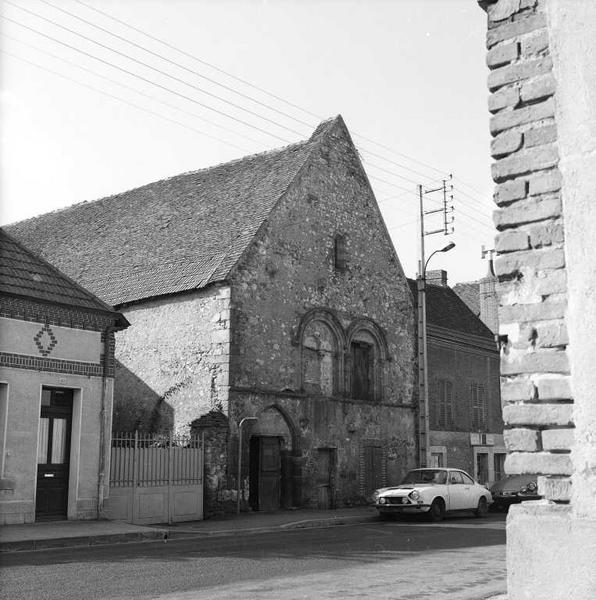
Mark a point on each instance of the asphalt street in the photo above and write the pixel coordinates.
(460, 558)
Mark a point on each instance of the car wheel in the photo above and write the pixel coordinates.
(482, 507)
(436, 512)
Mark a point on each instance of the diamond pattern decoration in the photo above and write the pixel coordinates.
(45, 340)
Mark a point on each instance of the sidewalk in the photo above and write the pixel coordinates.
(63, 534)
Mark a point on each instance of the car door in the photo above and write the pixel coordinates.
(470, 491)
(457, 497)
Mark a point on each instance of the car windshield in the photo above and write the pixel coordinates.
(426, 476)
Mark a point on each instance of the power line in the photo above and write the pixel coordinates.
(132, 89)
(442, 172)
(177, 64)
(144, 79)
(43, 68)
(164, 73)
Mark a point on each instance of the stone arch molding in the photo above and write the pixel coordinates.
(274, 420)
(325, 353)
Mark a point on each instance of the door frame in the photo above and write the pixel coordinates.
(75, 446)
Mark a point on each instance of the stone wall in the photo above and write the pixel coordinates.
(542, 55)
(172, 363)
(530, 265)
(324, 255)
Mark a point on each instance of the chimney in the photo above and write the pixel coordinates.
(437, 277)
(489, 305)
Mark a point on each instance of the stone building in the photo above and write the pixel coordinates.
(267, 287)
(541, 56)
(56, 384)
(466, 426)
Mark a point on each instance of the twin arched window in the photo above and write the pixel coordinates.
(334, 361)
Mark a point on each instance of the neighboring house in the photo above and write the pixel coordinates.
(56, 385)
(463, 378)
(267, 287)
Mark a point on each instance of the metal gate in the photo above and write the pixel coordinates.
(155, 478)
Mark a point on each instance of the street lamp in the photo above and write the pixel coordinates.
(424, 417)
(238, 483)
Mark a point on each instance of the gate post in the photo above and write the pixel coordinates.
(170, 478)
(135, 476)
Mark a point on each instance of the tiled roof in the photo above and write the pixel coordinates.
(444, 308)
(170, 236)
(469, 292)
(24, 274)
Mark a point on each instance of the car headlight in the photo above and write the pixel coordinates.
(414, 495)
(382, 500)
(531, 486)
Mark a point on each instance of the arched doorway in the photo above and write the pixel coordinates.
(271, 464)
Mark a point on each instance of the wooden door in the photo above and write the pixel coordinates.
(325, 477)
(374, 469)
(53, 454)
(269, 473)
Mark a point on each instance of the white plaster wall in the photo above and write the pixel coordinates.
(173, 360)
(572, 30)
(24, 396)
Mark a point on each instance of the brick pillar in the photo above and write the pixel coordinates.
(541, 56)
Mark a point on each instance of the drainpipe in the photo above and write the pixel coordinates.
(239, 481)
(101, 475)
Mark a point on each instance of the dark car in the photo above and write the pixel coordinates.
(512, 490)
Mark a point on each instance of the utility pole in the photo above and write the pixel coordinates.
(446, 229)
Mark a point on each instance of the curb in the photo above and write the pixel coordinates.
(164, 534)
(85, 540)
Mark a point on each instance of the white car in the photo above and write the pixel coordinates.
(435, 492)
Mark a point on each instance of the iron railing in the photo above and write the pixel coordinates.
(149, 459)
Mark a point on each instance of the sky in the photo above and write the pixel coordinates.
(101, 96)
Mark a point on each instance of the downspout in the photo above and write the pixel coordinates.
(101, 475)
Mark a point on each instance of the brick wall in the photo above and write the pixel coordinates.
(536, 395)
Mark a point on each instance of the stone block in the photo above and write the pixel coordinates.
(555, 488)
(528, 211)
(513, 263)
(529, 313)
(544, 463)
(508, 119)
(505, 97)
(548, 282)
(518, 389)
(552, 335)
(534, 44)
(508, 31)
(502, 55)
(540, 136)
(518, 72)
(557, 439)
(525, 161)
(505, 143)
(513, 189)
(537, 88)
(538, 415)
(547, 181)
(499, 11)
(553, 388)
(541, 361)
(510, 241)
(547, 235)
(521, 440)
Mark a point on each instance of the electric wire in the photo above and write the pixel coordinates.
(120, 99)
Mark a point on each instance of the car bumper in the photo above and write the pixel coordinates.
(402, 508)
(508, 499)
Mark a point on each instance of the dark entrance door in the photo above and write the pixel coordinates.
(325, 478)
(265, 473)
(53, 454)
(373, 469)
